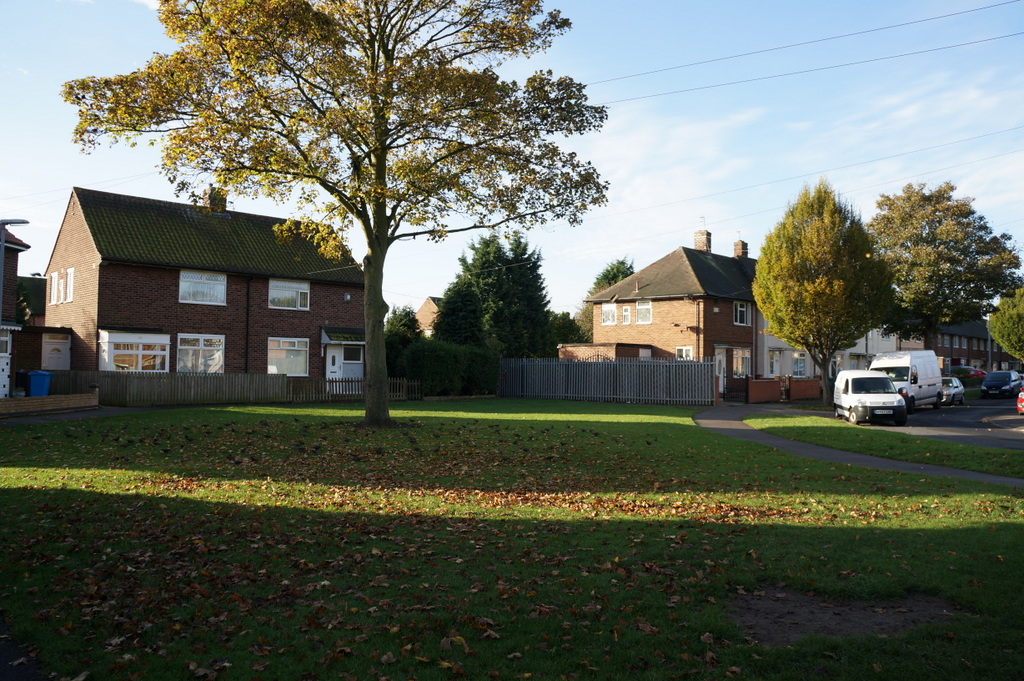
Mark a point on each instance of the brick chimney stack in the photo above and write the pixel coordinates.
(739, 249)
(702, 240)
(216, 199)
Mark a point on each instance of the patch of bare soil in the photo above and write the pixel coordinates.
(781, 616)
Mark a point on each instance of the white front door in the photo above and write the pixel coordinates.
(720, 368)
(56, 352)
(345, 362)
(5, 363)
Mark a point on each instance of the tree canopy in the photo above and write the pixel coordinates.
(386, 114)
(460, 314)
(818, 283)
(1006, 324)
(507, 276)
(948, 265)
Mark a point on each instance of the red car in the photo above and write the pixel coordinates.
(1020, 402)
(970, 372)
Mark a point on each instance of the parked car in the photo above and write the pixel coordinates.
(1001, 384)
(1020, 402)
(969, 372)
(952, 390)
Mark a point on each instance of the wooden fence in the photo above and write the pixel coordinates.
(132, 389)
(640, 381)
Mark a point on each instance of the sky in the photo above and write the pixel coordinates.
(718, 114)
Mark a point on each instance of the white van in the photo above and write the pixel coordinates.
(915, 373)
(868, 396)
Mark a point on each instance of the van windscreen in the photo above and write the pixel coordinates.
(872, 385)
(896, 373)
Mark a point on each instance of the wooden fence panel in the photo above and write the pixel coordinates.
(640, 381)
(131, 389)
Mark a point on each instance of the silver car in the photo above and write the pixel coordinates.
(952, 390)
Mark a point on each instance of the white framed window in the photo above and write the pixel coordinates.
(54, 278)
(627, 313)
(5, 342)
(741, 314)
(200, 354)
(684, 353)
(69, 287)
(288, 356)
(134, 351)
(608, 314)
(644, 312)
(740, 362)
(800, 365)
(203, 288)
(289, 295)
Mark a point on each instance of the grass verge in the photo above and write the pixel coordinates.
(838, 434)
(506, 539)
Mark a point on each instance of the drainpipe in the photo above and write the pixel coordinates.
(248, 349)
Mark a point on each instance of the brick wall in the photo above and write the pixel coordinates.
(50, 404)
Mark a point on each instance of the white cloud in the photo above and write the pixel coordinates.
(152, 4)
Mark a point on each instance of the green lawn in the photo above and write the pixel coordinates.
(489, 539)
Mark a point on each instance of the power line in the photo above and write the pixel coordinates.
(800, 44)
(814, 70)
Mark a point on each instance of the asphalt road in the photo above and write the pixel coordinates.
(982, 423)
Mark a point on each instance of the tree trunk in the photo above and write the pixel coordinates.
(375, 391)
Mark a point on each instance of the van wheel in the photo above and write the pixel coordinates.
(910, 405)
(839, 413)
(938, 401)
(851, 416)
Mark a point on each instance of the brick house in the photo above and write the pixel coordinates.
(12, 248)
(695, 304)
(157, 286)
(427, 314)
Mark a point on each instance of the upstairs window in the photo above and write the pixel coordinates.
(627, 312)
(289, 295)
(643, 312)
(741, 314)
(607, 314)
(203, 288)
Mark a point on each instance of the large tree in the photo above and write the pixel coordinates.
(948, 265)
(1006, 324)
(506, 273)
(819, 284)
(612, 274)
(389, 114)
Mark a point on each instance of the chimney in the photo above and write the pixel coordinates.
(216, 199)
(702, 240)
(739, 249)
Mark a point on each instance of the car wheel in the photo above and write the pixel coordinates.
(900, 422)
(962, 403)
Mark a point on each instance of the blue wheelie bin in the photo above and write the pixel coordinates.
(38, 384)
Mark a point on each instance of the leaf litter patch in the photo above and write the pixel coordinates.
(780, 616)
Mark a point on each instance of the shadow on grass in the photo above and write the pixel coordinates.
(132, 586)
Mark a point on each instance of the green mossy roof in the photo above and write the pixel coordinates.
(129, 229)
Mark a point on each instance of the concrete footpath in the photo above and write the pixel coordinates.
(727, 419)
